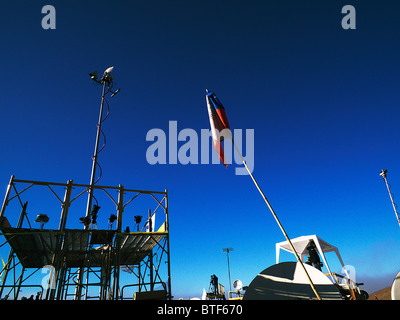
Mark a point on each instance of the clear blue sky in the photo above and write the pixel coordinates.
(323, 102)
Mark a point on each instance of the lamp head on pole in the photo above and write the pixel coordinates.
(109, 70)
(107, 76)
(106, 79)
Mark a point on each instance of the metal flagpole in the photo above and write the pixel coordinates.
(277, 220)
(383, 174)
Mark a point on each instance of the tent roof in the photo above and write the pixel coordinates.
(300, 245)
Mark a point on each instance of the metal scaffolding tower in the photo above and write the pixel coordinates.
(90, 263)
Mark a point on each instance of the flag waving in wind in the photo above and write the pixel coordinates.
(218, 122)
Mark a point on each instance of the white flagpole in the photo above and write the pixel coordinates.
(277, 220)
(383, 174)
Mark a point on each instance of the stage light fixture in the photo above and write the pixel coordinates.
(93, 75)
(86, 221)
(138, 219)
(95, 211)
(42, 219)
(112, 219)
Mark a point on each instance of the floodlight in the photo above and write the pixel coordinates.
(86, 221)
(237, 285)
(138, 219)
(383, 173)
(109, 70)
(111, 220)
(93, 75)
(42, 219)
(107, 76)
(95, 210)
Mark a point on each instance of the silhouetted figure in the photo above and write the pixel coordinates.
(214, 284)
(314, 257)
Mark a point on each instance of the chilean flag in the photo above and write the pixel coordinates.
(218, 122)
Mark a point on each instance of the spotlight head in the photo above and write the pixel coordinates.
(112, 218)
(86, 221)
(42, 218)
(109, 70)
(138, 219)
(95, 209)
(93, 75)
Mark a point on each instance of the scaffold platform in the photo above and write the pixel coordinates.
(35, 248)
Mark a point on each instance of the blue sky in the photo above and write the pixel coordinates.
(323, 103)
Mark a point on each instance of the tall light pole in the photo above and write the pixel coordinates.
(227, 250)
(106, 81)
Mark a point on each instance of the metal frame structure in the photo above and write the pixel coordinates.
(84, 261)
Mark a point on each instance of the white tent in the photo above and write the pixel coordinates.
(300, 245)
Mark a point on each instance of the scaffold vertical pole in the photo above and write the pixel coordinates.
(168, 253)
(5, 202)
(151, 254)
(57, 262)
(120, 210)
(11, 253)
